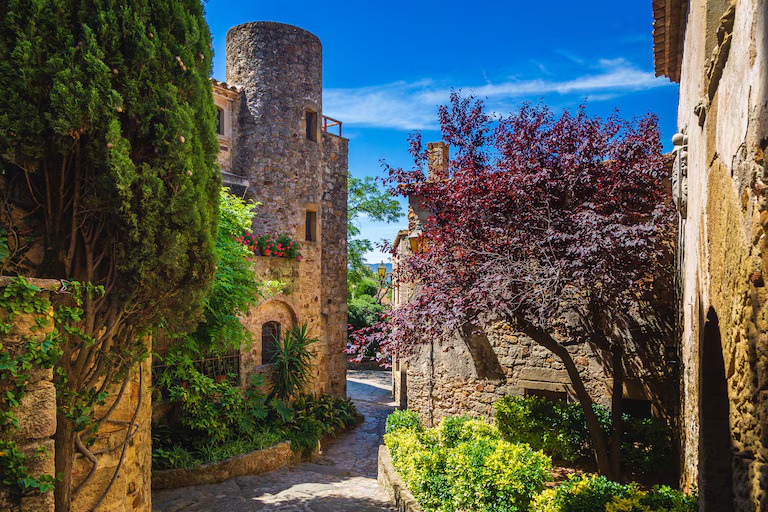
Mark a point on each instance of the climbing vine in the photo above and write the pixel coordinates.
(17, 361)
(22, 302)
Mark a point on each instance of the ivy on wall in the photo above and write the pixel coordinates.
(16, 364)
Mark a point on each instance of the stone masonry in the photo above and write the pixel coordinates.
(297, 171)
(718, 51)
(123, 445)
(36, 413)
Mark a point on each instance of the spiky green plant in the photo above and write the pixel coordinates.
(292, 363)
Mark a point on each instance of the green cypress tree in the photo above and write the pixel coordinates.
(107, 128)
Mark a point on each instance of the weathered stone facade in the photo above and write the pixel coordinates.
(283, 159)
(123, 446)
(718, 51)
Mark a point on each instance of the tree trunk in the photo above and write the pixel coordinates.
(617, 425)
(64, 460)
(599, 445)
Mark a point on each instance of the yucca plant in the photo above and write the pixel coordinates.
(291, 363)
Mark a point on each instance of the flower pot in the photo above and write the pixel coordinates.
(266, 252)
(218, 379)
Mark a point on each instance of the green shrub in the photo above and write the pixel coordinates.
(598, 494)
(495, 476)
(464, 465)
(404, 419)
(557, 428)
(173, 457)
(421, 462)
(460, 429)
(560, 430)
(364, 311)
(317, 416)
(262, 423)
(647, 445)
(208, 407)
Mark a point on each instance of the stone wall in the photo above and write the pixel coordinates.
(723, 113)
(299, 175)
(278, 69)
(123, 445)
(334, 263)
(467, 375)
(36, 412)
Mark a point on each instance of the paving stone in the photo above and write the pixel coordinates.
(342, 479)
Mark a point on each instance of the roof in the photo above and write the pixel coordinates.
(225, 88)
(669, 18)
(403, 233)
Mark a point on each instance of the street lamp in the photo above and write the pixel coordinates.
(382, 271)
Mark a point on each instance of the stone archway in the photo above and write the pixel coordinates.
(268, 317)
(715, 447)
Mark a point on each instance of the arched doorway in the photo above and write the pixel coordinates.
(715, 447)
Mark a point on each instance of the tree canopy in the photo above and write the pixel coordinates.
(556, 225)
(365, 197)
(107, 137)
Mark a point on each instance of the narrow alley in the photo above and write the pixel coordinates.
(341, 479)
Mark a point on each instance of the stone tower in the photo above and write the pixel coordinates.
(298, 171)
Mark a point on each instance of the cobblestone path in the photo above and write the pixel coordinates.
(342, 479)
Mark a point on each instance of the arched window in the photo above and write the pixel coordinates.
(270, 338)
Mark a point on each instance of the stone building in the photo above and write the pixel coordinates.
(718, 51)
(277, 148)
(470, 372)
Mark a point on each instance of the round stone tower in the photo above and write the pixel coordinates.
(278, 68)
(298, 173)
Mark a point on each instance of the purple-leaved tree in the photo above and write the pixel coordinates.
(560, 226)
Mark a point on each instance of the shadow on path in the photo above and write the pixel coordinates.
(341, 479)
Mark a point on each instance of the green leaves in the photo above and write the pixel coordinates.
(365, 197)
(21, 298)
(235, 287)
(291, 364)
(464, 465)
(4, 249)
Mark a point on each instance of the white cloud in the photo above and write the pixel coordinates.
(413, 105)
(400, 105)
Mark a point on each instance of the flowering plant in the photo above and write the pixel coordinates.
(268, 245)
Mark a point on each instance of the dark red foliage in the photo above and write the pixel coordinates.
(537, 216)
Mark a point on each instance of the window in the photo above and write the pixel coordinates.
(555, 396)
(270, 339)
(311, 122)
(219, 121)
(310, 228)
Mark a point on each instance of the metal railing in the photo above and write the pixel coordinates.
(218, 368)
(329, 122)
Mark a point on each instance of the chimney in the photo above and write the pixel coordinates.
(437, 161)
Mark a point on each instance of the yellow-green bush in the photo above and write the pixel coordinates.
(598, 494)
(465, 465)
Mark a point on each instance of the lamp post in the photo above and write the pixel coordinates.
(382, 271)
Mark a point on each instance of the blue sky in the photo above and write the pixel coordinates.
(387, 65)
